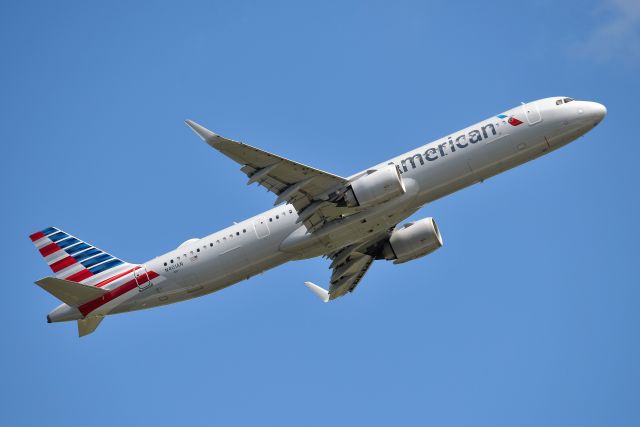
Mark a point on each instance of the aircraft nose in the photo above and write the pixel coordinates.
(597, 111)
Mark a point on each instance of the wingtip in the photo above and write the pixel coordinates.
(201, 131)
(318, 291)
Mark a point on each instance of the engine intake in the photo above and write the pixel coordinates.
(376, 187)
(412, 240)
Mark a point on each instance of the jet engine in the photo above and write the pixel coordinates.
(412, 240)
(378, 186)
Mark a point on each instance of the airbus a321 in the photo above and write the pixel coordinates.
(352, 221)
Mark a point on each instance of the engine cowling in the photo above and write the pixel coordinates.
(376, 187)
(412, 240)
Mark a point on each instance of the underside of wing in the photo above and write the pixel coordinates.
(308, 189)
(349, 265)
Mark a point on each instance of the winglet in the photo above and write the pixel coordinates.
(320, 293)
(201, 131)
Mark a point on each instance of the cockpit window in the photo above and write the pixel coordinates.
(565, 100)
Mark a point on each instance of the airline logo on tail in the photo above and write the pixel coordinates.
(71, 258)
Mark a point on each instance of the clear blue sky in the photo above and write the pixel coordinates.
(528, 316)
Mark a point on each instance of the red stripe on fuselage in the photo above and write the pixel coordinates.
(80, 275)
(115, 293)
(49, 249)
(117, 276)
(36, 236)
(63, 263)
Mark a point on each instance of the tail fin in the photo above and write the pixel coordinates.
(73, 259)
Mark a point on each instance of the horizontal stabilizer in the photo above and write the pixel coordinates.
(71, 293)
(88, 325)
(320, 292)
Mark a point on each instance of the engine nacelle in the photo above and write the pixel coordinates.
(412, 240)
(376, 187)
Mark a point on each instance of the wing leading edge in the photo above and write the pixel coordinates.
(308, 189)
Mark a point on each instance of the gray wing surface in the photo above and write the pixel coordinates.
(308, 189)
(349, 265)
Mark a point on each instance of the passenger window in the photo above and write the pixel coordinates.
(171, 261)
(290, 210)
(165, 264)
(211, 244)
(277, 216)
(244, 230)
(198, 250)
(270, 219)
(237, 233)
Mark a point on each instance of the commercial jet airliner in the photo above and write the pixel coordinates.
(350, 220)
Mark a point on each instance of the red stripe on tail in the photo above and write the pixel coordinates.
(80, 275)
(36, 236)
(117, 276)
(49, 249)
(63, 263)
(115, 293)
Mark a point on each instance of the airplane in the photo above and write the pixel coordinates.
(352, 221)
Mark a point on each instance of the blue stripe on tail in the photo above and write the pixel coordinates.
(107, 265)
(86, 254)
(96, 260)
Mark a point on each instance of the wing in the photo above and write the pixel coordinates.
(349, 266)
(307, 189)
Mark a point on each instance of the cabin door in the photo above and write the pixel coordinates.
(143, 281)
(261, 227)
(532, 112)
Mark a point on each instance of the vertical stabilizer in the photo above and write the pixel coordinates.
(73, 259)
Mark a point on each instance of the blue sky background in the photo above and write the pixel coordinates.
(527, 316)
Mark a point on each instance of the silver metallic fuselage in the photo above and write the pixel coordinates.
(429, 172)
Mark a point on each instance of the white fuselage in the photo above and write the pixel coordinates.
(205, 265)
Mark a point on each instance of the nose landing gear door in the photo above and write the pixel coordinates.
(143, 281)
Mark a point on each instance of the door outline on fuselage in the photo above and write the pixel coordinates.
(532, 113)
(141, 276)
(261, 228)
